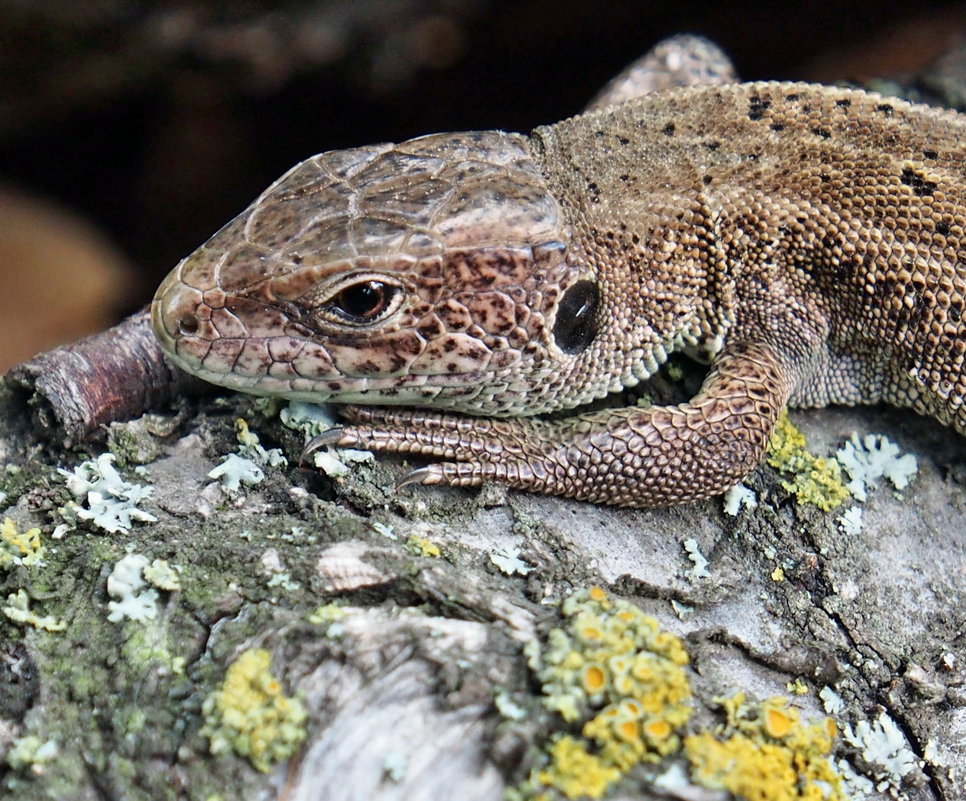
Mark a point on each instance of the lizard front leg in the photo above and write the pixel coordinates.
(628, 456)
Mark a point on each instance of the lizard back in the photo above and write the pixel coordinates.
(848, 204)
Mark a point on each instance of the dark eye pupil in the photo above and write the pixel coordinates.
(363, 301)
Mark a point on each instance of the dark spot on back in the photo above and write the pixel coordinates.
(930, 154)
(757, 107)
(921, 186)
(668, 130)
(712, 145)
(885, 108)
(777, 126)
(791, 98)
(823, 132)
(706, 180)
(942, 228)
(623, 140)
(843, 102)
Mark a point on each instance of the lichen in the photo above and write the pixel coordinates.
(872, 457)
(885, 748)
(763, 752)
(812, 479)
(30, 753)
(422, 546)
(133, 598)
(236, 470)
(737, 498)
(251, 447)
(245, 466)
(313, 419)
(850, 521)
(613, 669)
(102, 497)
(18, 610)
(575, 772)
(162, 575)
(507, 560)
(20, 549)
(251, 716)
(693, 550)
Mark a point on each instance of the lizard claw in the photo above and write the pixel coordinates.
(452, 474)
(333, 437)
(421, 475)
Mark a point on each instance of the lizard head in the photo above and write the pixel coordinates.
(431, 272)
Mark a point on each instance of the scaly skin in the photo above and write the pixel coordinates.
(808, 239)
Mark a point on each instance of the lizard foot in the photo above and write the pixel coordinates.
(626, 456)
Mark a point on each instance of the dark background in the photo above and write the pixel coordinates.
(157, 122)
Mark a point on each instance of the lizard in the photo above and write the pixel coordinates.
(454, 289)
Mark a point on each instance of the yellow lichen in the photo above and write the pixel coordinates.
(612, 668)
(19, 549)
(422, 546)
(594, 679)
(162, 575)
(765, 753)
(811, 478)
(576, 773)
(18, 610)
(251, 716)
(326, 614)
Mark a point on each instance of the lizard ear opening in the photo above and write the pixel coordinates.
(576, 323)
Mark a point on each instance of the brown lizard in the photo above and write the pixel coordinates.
(809, 240)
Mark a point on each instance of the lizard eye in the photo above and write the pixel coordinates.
(576, 324)
(364, 302)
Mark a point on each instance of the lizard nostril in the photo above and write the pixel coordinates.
(188, 325)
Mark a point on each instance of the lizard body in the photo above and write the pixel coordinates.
(808, 239)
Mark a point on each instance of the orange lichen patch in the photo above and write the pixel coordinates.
(658, 729)
(249, 714)
(811, 478)
(594, 679)
(778, 722)
(764, 753)
(630, 708)
(591, 633)
(575, 773)
(628, 730)
(611, 667)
